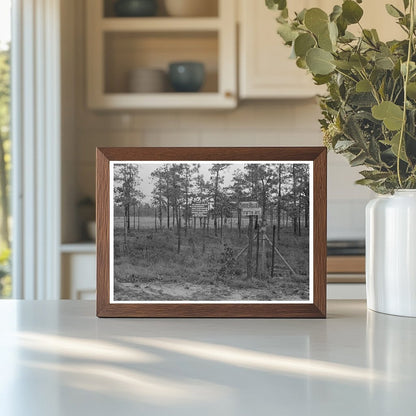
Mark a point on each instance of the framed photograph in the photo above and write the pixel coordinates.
(211, 232)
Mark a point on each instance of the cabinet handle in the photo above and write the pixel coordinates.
(229, 94)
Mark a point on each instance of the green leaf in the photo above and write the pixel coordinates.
(412, 67)
(394, 145)
(375, 35)
(363, 86)
(301, 15)
(354, 132)
(336, 12)
(316, 20)
(374, 150)
(351, 11)
(319, 61)
(358, 160)
(405, 21)
(347, 37)
(344, 65)
(368, 36)
(301, 63)
(411, 90)
(325, 42)
(411, 123)
(406, 4)
(393, 11)
(396, 70)
(276, 4)
(303, 43)
(333, 32)
(358, 61)
(321, 79)
(374, 175)
(365, 182)
(362, 99)
(343, 145)
(342, 25)
(388, 112)
(382, 89)
(384, 62)
(287, 33)
(292, 52)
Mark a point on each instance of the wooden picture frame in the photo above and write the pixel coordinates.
(109, 159)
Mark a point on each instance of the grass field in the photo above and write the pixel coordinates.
(149, 223)
(150, 268)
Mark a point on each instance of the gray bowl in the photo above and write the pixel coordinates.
(135, 8)
(186, 76)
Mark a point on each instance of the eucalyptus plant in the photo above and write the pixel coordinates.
(369, 111)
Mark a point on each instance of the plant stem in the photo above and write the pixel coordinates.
(346, 75)
(406, 80)
(373, 88)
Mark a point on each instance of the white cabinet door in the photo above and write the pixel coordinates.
(265, 68)
(78, 276)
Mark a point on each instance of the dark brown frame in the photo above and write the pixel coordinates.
(317, 309)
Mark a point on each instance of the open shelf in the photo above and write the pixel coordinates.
(160, 24)
(211, 10)
(167, 100)
(87, 247)
(118, 45)
(126, 51)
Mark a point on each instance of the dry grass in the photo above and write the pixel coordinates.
(205, 268)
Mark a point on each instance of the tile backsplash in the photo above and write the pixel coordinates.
(256, 123)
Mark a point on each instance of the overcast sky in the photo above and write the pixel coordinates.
(146, 185)
(145, 169)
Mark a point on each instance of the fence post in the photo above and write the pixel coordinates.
(273, 246)
(250, 248)
(263, 266)
(179, 233)
(257, 247)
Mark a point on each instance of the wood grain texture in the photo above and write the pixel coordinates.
(103, 231)
(317, 309)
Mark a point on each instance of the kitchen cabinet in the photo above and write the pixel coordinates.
(118, 45)
(265, 70)
(78, 263)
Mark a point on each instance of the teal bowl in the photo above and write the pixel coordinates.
(135, 8)
(186, 76)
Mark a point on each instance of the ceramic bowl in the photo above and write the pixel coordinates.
(147, 80)
(135, 8)
(186, 76)
(191, 8)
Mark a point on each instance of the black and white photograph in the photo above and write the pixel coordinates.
(211, 232)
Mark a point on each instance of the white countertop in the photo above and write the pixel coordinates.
(57, 358)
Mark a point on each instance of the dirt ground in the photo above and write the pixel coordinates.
(206, 268)
(218, 292)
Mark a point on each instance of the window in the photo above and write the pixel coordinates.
(5, 145)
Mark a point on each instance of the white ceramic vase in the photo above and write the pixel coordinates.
(391, 253)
